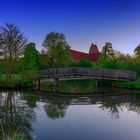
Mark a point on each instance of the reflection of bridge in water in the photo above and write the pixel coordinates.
(86, 99)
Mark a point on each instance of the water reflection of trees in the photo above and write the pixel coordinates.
(134, 105)
(113, 107)
(31, 99)
(116, 104)
(56, 107)
(15, 116)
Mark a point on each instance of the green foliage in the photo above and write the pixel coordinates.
(135, 67)
(117, 61)
(18, 80)
(17, 136)
(11, 83)
(137, 52)
(62, 55)
(30, 60)
(43, 61)
(107, 50)
(82, 63)
(58, 50)
(73, 64)
(107, 58)
(29, 75)
(31, 100)
(136, 60)
(3, 66)
(12, 43)
(129, 84)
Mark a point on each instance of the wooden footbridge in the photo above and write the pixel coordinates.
(72, 73)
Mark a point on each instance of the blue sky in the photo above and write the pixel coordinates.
(82, 21)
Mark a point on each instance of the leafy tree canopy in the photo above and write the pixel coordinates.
(30, 59)
(137, 51)
(58, 50)
(107, 50)
(84, 63)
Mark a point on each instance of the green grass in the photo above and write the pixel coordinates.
(129, 84)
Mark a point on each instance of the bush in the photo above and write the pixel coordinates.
(82, 63)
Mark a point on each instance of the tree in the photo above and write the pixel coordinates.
(30, 60)
(12, 44)
(57, 49)
(62, 55)
(43, 61)
(107, 50)
(137, 51)
(136, 60)
(107, 58)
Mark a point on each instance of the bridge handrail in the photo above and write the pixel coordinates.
(94, 72)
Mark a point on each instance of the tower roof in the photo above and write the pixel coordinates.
(93, 49)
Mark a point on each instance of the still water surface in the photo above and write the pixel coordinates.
(45, 117)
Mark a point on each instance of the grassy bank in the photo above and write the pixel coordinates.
(129, 84)
(16, 81)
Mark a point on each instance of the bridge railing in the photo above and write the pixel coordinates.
(91, 72)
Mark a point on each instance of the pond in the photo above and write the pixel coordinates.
(43, 116)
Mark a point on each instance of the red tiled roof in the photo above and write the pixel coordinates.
(76, 56)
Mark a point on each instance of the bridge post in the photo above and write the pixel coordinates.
(103, 75)
(36, 84)
(96, 82)
(56, 81)
(116, 76)
(75, 72)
